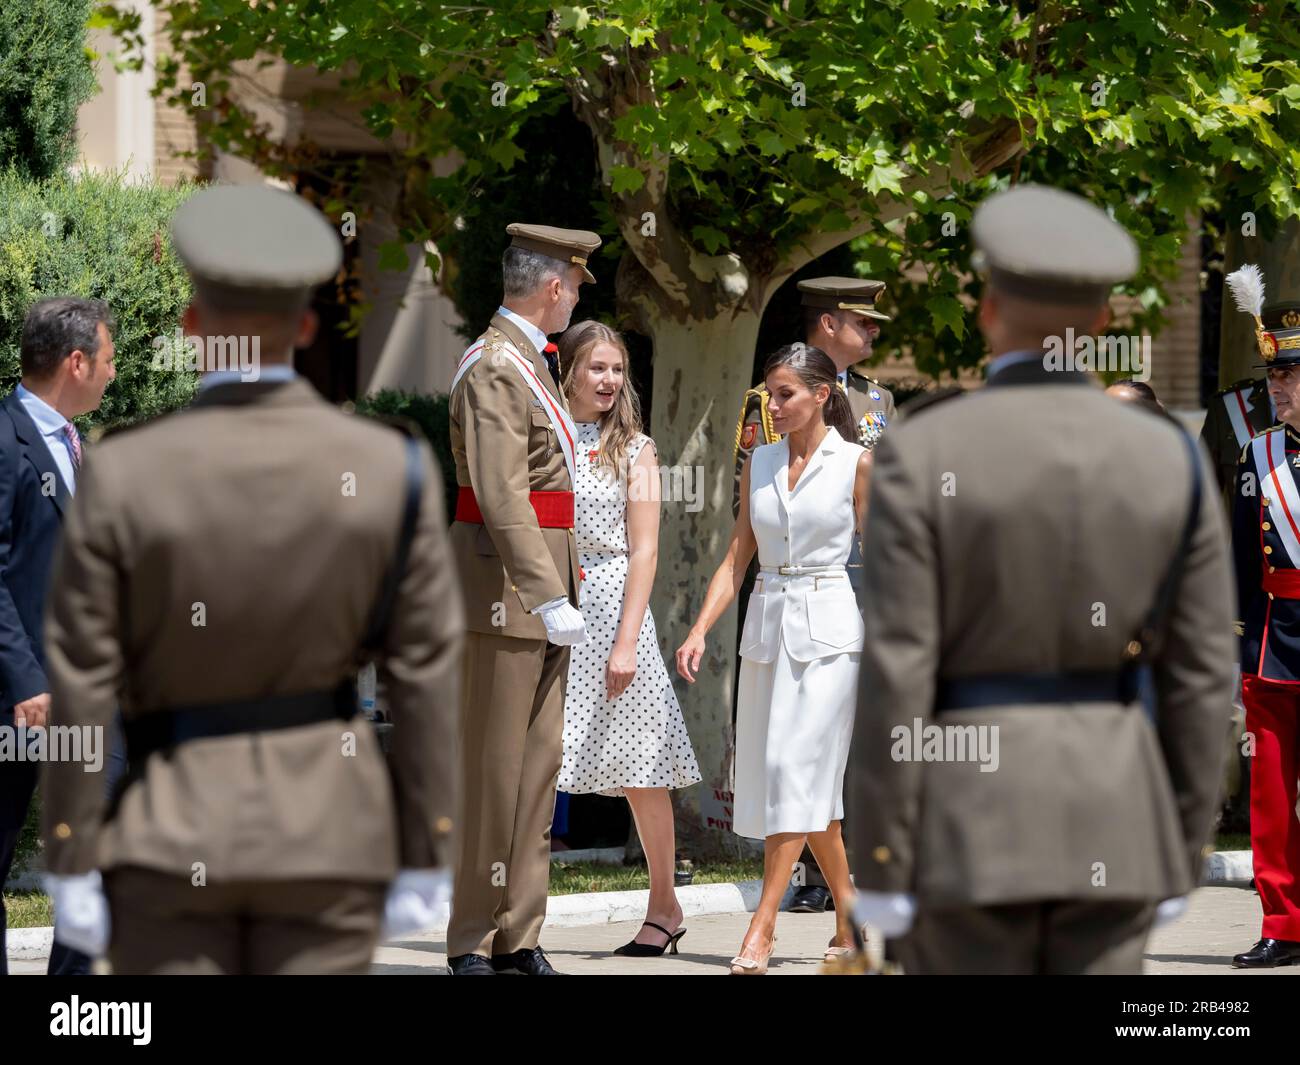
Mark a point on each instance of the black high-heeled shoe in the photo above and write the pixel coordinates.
(649, 950)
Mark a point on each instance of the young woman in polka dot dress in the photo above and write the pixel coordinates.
(623, 728)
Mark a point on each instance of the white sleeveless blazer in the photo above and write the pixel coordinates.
(811, 526)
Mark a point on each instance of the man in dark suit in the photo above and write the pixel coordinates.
(67, 362)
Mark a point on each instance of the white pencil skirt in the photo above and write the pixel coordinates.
(794, 724)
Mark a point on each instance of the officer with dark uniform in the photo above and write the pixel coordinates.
(1240, 412)
(840, 316)
(1048, 652)
(1266, 547)
(223, 573)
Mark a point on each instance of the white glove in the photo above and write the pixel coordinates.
(415, 900)
(564, 624)
(1170, 910)
(80, 912)
(1237, 697)
(889, 912)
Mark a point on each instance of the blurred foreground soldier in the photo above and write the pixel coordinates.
(1047, 668)
(1266, 546)
(513, 441)
(840, 317)
(224, 570)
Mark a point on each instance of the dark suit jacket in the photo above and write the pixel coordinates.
(32, 499)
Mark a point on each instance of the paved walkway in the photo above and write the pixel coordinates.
(1220, 922)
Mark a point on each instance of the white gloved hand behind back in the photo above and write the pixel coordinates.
(80, 912)
(564, 624)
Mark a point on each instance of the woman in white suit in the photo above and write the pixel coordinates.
(802, 500)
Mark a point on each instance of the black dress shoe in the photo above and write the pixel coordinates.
(649, 950)
(812, 900)
(1268, 954)
(470, 965)
(523, 963)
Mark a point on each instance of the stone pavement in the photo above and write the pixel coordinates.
(1220, 922)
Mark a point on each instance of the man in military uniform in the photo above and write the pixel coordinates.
(223, 572)
(1243, 410)
(1047, 660)
(513, 441)
(1266, 547)
(840, 317)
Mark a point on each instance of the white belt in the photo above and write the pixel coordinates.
(802, 571)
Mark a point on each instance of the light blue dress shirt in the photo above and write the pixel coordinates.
(50, 423)
(276, 371)
(529, 330)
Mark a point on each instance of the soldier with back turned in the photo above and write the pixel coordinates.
(1048, 656)
(224, 572)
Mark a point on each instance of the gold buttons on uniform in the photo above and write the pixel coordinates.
(1266, 526)
(1272, 569)
(1133, 649)
(1268, 550)
(881, 854)
(62, 830)
(443, 824)
(1268, 502)
(1270, 595)
(514, 587)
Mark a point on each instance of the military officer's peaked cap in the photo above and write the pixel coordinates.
(843, 294)
(254, 248)
(1282, 327)
(568, 245)
(1051, 246)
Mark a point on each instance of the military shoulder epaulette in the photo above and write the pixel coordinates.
(927, 400)
(1244, 384)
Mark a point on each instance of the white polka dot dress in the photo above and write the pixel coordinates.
(639, 740)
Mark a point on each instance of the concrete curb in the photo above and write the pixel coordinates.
(562, 911)
(609, 907)
(1229, 867)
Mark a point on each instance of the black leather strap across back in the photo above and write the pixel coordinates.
(1155, 618)
(377, 631)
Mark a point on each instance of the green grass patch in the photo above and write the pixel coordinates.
(28, 909)
(593, 876)
(1232, 841)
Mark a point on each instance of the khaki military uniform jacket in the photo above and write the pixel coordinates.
(1233, 418)
(505, 446)
(998, 543)
(236, 550)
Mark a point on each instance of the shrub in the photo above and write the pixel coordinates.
(102, 237)
(432, 414)
(45, 76)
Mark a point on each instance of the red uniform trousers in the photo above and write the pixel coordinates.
(1273, 719)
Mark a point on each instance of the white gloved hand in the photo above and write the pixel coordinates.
(415, 900)
(1170, 910)
(564, 624)
(80, 912)
(889, 912)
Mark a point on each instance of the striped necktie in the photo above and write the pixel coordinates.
(74, 444)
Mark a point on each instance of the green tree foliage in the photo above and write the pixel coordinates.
(102, 237)
(45, 76)
(430, 413)
(769, 130)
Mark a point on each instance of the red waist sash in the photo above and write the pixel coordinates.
(1283, 583)
(554, 509)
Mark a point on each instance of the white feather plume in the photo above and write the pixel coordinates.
(1247, 287)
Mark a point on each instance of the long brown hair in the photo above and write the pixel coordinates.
(620, 426)
(814, 367)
